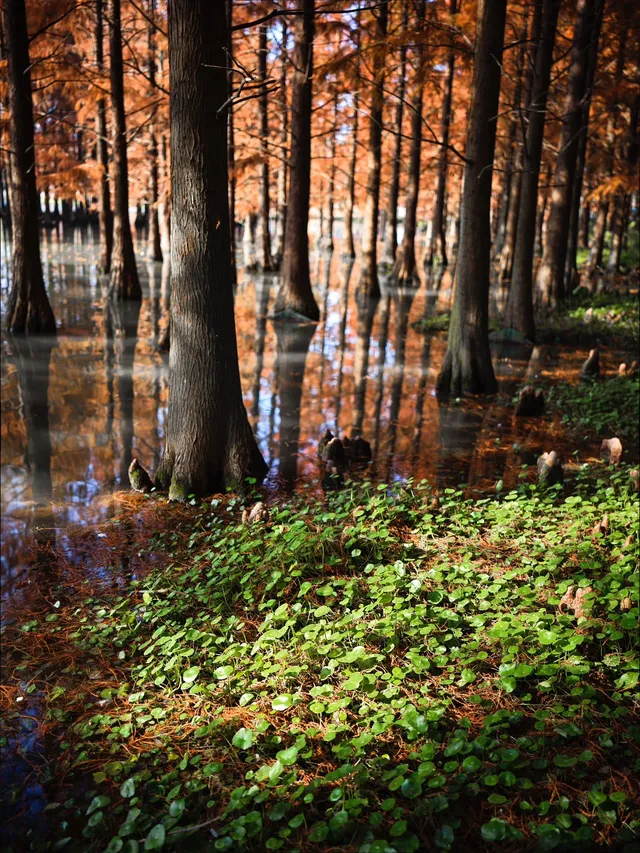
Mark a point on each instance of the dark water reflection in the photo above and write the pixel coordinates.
(76, 410)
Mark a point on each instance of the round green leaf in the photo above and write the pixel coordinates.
(243, 738)
(495, 830)
(190, 675)
(155, 838)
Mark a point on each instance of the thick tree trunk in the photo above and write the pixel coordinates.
(467, 365)
(391, 225)
(369, 262)
(105, 217)
(404, 270)
(28, 309)
(550, 277)
(519, 314)
(265, 260)
(155, 249)
(209, 444)
(124, 282)
(284, 151)
(295, 292)
(231, 146)
(585, 223)
(438, 226)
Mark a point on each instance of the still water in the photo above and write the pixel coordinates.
(76, 410)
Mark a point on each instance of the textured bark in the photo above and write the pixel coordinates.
(123, 282)
(105, 217)
(368, 283)
(404, 270)
(438, 227)
(550, 277)
(350, 249)
(265, 260)
(519, 314)
(467, 365)
(284, 149)
(28, 308)
(391, 225)
(585, 223)
(295, 292)
(231, 146)
(209, 444)
(155, 249)
(543, 201)
(165, 204)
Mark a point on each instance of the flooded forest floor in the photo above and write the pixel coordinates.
(398, 665)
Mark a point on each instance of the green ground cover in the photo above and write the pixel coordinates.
(374, 671)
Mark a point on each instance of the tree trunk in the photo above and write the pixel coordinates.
(541, 213)
(155, 249)
(369, 262)
(295, 292)
(585, 222)
(519, 314)
(231, 146)
(571, 269)
(404, 270)
(124, 282)
(550, 278)
(265, 261)
(284, 155)
(391, 226)
(438, 228)
(209, 444)
(350, 249)
(327, 236)
(105, 217)
(28, 309)
(467, 365)
(617, 231)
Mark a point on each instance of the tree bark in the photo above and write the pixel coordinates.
(617, 232)
(467, 365)
(391, 226)
(231, 146)
(124, 282)
(284, 151)
(155, 249)
(516, 154)
(404, 270)
(105, 217)
(295, 292)
(571, 268)
(209, 444)
(438, 227)
(550, 277)
(350, 249)
(28, 309)
(327, 236)
(519, 314)
(369, 262)
(265, 260)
